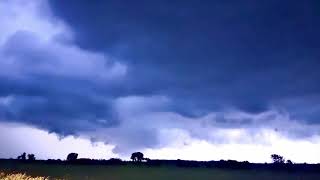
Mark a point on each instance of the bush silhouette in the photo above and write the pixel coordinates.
(277, 159)
(289, 162)
(22, 156)
(72, 156)
(31, 157)
(137, 157)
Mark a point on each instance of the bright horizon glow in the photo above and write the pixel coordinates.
(50, 146)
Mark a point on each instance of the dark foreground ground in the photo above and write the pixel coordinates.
(128, 171)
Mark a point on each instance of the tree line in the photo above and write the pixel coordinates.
(138, 159)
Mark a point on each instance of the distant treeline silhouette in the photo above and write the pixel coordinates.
(138, 159)
(31, 157)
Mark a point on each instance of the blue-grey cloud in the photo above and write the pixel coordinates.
(50, 82)
(209, 54)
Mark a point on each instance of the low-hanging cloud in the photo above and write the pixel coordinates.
(47, 80)
(146, 122)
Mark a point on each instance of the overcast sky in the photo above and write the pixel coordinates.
(201, 80)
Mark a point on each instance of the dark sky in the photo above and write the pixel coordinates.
(122, 70)
(208, 54)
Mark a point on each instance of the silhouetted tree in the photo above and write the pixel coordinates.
(72, 156)
(31, 157)
(289, 162)
(277, 159)
(22, 156)
(137, 156)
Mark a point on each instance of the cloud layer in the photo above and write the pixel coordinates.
(47, 79)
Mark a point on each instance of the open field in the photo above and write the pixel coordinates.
(125, 172)
(19, 176)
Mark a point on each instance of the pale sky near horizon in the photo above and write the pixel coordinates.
(44, 145)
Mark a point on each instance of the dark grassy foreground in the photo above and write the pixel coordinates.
(142, 172)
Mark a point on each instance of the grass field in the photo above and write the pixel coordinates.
(128, 172)
(19, 176)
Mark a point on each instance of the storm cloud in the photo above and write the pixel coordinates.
(142, 75)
